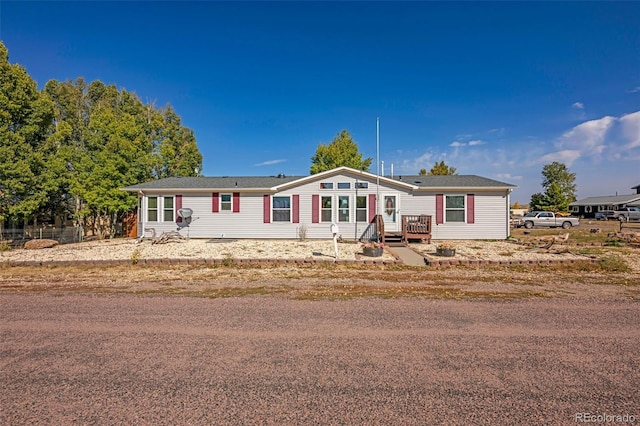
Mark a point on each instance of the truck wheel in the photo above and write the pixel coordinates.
(566, 225)
(528, 225)
(622, 218)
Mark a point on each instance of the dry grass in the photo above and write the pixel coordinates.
(331, 281)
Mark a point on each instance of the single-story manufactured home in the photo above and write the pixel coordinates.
(359, 203)
(588, 207)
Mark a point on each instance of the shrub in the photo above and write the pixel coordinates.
(614, 264)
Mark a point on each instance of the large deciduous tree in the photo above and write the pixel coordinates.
(70, 148)
(441, 168)
(25, 118)
(560, 189)
(342, 151)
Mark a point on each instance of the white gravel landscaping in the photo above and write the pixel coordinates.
(124, 249)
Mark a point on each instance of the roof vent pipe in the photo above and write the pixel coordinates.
(391, 170)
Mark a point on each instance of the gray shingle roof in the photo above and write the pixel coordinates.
(607, 200)
(224, 182)
(268, 182)
(452, 181)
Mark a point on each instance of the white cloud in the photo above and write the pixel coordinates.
(635, 90)
(577, 105)
(587, 138)
(567, 156)
(269, 163)
(457, 144)
(414, 165)
(509, 176)
(630, 124)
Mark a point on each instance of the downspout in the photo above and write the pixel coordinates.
(508, 210)
(141, 213)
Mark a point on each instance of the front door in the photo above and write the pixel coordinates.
(390, 213)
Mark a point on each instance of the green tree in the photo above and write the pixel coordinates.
(342, 151)
(176, 151)
(538, 202)
(559, 174)
(423, 172)
(560, 189)
(25, 118)
(440, 169)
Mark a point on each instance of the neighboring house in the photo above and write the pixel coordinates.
(461, 207)
(588, 207)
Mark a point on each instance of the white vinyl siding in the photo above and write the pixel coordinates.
(491, 212)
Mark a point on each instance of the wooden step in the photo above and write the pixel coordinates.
(393, 239)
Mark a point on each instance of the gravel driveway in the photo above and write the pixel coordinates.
(127, 359)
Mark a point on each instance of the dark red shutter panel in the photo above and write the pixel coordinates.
(266, 209)
(236, 202)
(471, 208)
(295, 200)
(178, 207)
(439, 208)
(215, 202)
(372, 207)
(315, 209)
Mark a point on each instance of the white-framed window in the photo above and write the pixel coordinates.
(160, 209)
(326, 185)
(575, 209)
(454, 208)
(281, 208)
(587, 209)
(152, 209)
(344, 208)
(326, 209)
(167, 209)
(362, 212)
(344, 185)
(362, 185)
(226, 202)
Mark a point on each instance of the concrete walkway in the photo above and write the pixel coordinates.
(408, 256)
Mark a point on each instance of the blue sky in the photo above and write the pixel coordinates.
(493, 89)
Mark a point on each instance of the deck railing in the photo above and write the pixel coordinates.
(416, 227)
(374, 231)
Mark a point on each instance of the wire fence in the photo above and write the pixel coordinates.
(64, 235)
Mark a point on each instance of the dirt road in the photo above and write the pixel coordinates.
(127, 359)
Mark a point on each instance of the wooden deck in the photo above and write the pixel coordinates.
(414, 227)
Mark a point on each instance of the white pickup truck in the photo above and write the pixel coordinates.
(624, 215)
(547, 219)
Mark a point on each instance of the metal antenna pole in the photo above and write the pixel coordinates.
(378, 166)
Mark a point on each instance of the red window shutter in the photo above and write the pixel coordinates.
(178, 207)
(315, 209)
(236, 202)
(439, 208)
(215, 202)
(471, 208)
(372, 207)
(295, 201)
(266, 209)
